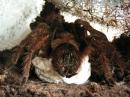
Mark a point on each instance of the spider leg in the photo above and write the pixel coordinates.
(26, 67)
(26, 64)
(17, 52)
(119, 65)
(107, 70)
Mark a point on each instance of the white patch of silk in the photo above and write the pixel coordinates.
(45, 71)
(82, 75)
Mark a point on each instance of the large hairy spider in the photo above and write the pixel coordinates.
(65, 46)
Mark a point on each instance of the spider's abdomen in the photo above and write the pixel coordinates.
(66, 60)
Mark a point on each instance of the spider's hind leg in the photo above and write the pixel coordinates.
(107, 69)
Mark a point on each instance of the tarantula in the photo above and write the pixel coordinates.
(67, 45)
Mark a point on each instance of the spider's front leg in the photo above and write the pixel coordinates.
(28, 58)
(23, 54)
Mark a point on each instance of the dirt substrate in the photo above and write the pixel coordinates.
(39, 89)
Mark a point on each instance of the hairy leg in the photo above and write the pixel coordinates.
(106, 69)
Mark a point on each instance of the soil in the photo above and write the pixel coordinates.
(39, 89)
